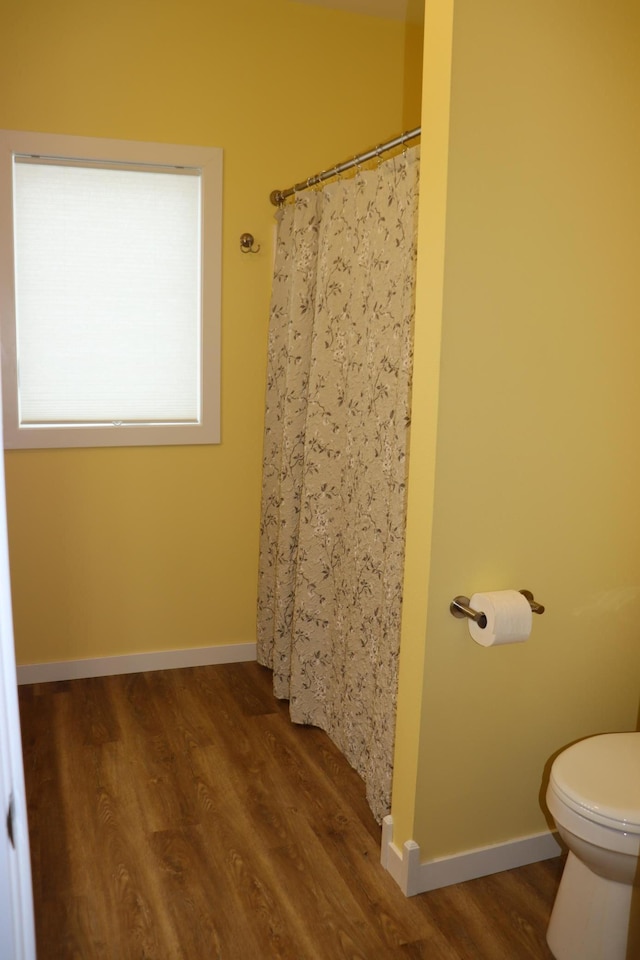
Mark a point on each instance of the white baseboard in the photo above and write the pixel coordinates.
(135, 663)
(414, 877)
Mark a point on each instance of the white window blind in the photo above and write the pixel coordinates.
(108, 287)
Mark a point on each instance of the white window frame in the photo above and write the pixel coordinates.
(208, 161)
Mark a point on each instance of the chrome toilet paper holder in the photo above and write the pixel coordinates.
(459, 607)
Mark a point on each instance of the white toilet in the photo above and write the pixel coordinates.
(594, 797)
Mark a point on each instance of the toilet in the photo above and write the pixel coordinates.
(594, 798)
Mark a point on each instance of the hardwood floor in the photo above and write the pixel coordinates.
(179, 815)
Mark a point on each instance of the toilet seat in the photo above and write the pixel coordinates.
(599, 779)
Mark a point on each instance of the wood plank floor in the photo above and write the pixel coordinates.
(179, 815)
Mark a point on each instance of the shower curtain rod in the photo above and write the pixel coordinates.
(279, 196)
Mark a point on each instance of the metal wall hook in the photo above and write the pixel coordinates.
(247, 243)
(459, 607)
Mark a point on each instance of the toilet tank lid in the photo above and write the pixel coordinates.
(600, 778)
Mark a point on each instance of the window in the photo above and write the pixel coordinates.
(110, 286)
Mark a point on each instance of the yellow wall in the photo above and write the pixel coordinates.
(129, 550)
(434, 155)
(536, 461)
(413, 46)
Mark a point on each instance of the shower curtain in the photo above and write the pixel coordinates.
(335, 449)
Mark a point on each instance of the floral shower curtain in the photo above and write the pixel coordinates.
(334, 471)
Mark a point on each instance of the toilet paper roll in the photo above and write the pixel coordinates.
(508, 616)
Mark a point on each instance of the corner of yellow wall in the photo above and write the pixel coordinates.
(438, 38)
(412, 99)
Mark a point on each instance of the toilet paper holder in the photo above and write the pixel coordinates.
(459, 607)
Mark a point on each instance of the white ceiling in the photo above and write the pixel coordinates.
(390, 9)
